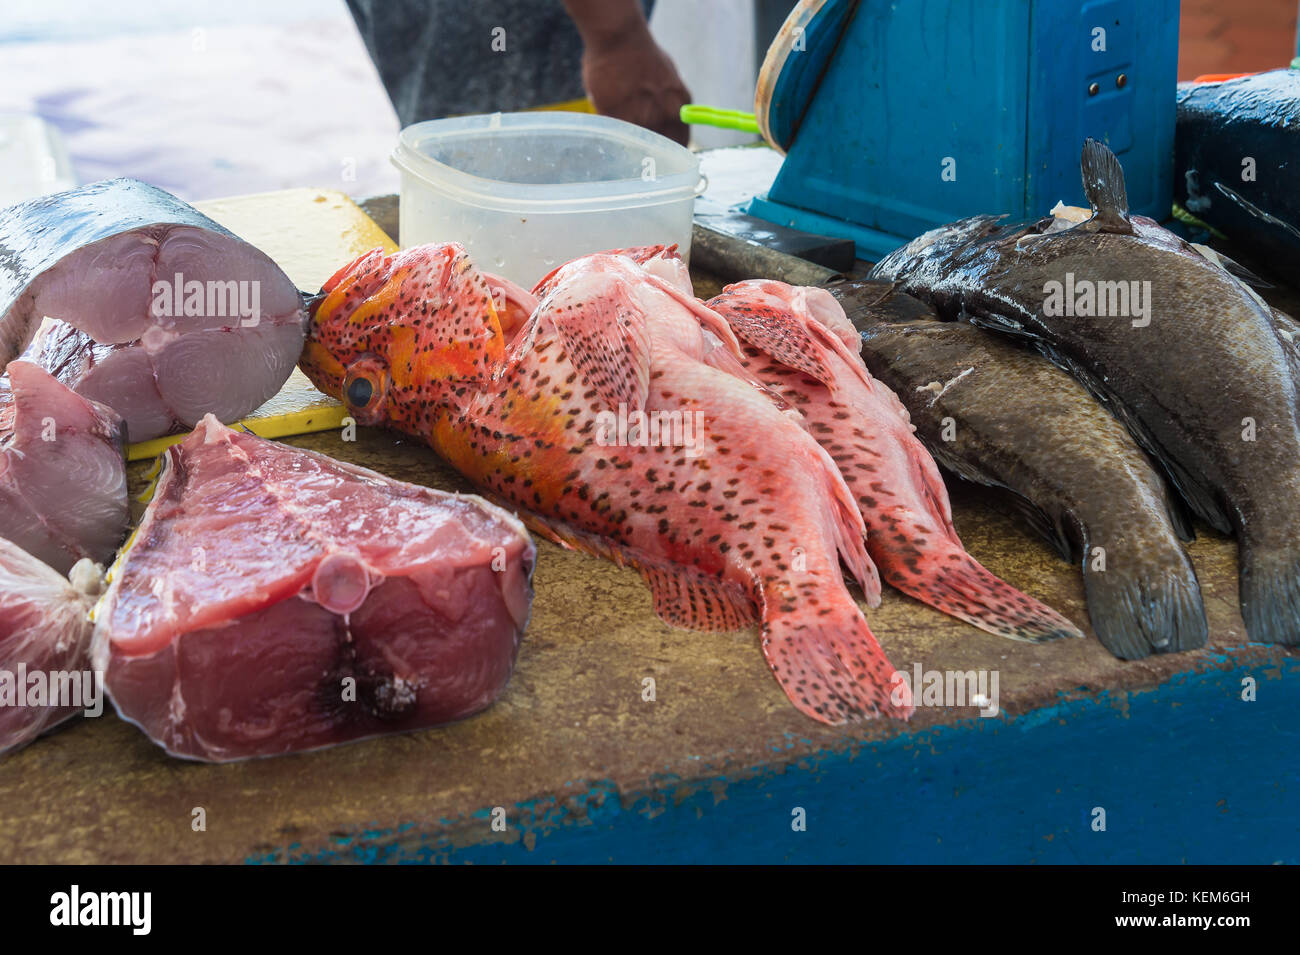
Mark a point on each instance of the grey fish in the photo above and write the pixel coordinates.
(1019, 423)
(1172, 344)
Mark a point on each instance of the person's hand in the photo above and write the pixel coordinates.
(629, 77)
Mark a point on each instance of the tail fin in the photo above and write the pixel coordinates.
(823, 654)
(1156, 608)
(1270, 593)
(956, 583)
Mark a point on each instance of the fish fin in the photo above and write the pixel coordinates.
(1103, 184)
(1270, 592)
(686, 598)
(1149, 610)
(849, 532)
(795, 340)
(954, 582)
(683, 596)
(825, 656)
(721, 358)
(1179, 518)
(1047, 527)
(1231, 266)
(606, 336)
(707, 317)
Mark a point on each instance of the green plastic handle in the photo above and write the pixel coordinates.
(694, 114)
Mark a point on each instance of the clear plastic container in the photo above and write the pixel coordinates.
(526, 192)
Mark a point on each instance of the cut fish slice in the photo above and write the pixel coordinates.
(158, 310)
(63, 492)
(276, 600)
(45, 634)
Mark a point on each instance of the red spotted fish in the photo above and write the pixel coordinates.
(799, 344)
(594, 414)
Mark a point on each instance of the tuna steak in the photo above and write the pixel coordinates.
(275, 600)
(1170, 342)
(799, 344)
(164, 314)
(730, 511)
(45, 634)
(63, 490)
(1017, 422)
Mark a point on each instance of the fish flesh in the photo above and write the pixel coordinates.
(159, 312)
(1000, 414)
(601, 422)
(1171, 343)
(798, 343)
(45, 634)
(274, 600)
(1235, 148)
(63, 491)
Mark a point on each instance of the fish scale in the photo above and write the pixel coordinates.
(751, 528)
(866, 431)
(1201, 379)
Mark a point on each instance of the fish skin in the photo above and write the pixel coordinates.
(1218, 126)
(799, 343)
(1153, 378)
(1023, 425)
(752, 528)
(92, 259)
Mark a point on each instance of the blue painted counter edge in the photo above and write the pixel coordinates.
(1186, 772)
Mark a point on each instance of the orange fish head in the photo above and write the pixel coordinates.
(389, 333)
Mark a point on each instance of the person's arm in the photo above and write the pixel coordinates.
(625, 72)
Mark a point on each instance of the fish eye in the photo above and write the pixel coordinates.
(360, 391)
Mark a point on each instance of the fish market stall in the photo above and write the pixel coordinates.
(620, 737)
(766, 518)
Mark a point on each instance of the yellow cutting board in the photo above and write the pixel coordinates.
(303, 230)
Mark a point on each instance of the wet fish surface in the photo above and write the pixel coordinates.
(1236, 143)
(999, 414)
(1169, 342)
(798, 342)
(159, 312)
(727, 507)
(45, 634)
(275, 600)
(63, 489)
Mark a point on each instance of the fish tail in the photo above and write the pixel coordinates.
(825, 657)
(1155, 608)
(951, 580)
(1270, 592)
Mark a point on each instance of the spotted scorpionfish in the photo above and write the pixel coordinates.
(749, 523)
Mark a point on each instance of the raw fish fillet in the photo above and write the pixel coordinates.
(276, 600)
(45, 633)
(160, 312)
(62, 477)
